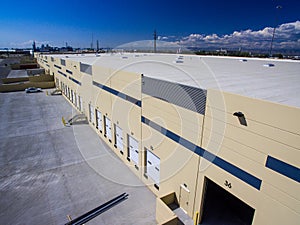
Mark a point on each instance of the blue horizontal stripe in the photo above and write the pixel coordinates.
(237, 172)
(97, 85)
(119, 94)
(283, 168)
(69, 71)
(112, 91)
(65, 75)
(75, 81)
(59, 67)
(221, 163)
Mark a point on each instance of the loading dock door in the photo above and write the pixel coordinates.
(99, 120)
(80, 103)
(119, 138)
(153, 167)
(71, 97)
(68, 93)
(221, 207)
(108, 128)
(133, 150)
(75, 99)
(92, 113)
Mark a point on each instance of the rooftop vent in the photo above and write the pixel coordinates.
(178, 61)
(269, 65)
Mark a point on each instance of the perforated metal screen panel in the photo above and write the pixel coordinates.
(86, 68)
(188, 97)
(63, 62)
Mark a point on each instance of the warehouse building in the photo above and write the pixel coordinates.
(217, 137)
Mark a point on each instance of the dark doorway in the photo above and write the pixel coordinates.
(221, 207)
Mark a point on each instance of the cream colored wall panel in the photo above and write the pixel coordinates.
(189, 116)
(130, 117)
(280, 116)
(169, 122)
(282, 183)
(271, 212)
(215, 141)
(180, 169)
(103, 100)
(262, 129)
(262, 144)
(178, 165)
(158, 141)
(101, 75)
(182, 122)
(175, 163)
(127, 83)
(151, 103)
(282, 197)
(241, 162)
(87, 91)
(75, 68)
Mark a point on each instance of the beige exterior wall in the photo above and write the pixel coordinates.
(272, 130)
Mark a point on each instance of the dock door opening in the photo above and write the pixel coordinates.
(99, 120)
(133, 150)
(118, 138)
(221, 207)
(107, 132)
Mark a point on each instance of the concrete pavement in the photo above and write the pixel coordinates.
(49, 171)
(17, 74)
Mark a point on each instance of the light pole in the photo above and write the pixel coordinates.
(155, 38)
(271, 47)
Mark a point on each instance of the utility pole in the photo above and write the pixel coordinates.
(92, 42)
(33, 47)
(155, 38)
(97, 45)
(276, 20)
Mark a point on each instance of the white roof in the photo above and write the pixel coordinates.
(268, 79)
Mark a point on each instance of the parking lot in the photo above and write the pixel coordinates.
(49, 171)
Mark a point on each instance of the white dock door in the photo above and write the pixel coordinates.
(73, 97)
(75, 100)
(133, 150)
(153, 167)
(99, 120)
(92, 113)
(108, 128)
(80, 103)
(119, 138)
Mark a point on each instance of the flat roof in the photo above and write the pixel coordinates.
(267, 79)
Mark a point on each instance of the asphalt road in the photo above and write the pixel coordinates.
(48, 171)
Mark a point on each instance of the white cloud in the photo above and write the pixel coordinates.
(286, 36)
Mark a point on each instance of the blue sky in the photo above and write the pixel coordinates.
(116, 22)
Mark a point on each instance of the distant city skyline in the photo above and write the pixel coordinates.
(222, 24)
